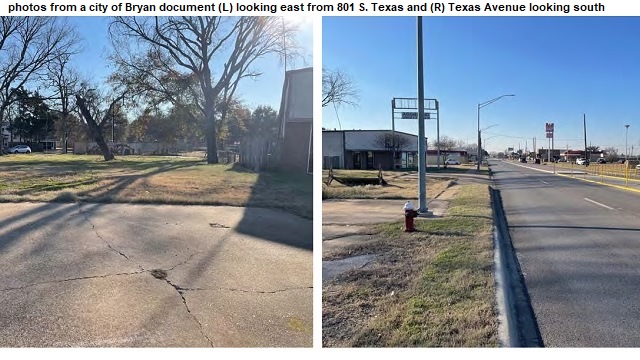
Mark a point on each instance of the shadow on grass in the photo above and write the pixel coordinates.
(57, 165)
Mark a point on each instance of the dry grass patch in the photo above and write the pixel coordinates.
(400, 186)
(160, 180)
(431, 288)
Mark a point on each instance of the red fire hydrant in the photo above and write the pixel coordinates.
(409, 214)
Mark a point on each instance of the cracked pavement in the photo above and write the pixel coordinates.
(124, 275)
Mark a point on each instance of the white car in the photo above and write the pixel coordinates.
(451, 162)
(581, 161)
(20, 149)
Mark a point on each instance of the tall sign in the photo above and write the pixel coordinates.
(407, 108)
(549, 131)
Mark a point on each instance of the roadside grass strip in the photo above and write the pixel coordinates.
(431, 288)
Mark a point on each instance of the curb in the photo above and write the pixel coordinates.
(518, 325)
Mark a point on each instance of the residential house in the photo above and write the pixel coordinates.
(296, 120)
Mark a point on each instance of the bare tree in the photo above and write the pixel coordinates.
(611, 154)
(27, 45)
(195, 60)
(338, 89)
(65, 81)
(390, 142)
(96, 117)
(447, 143)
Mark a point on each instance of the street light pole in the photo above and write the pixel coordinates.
(626, 148)
(480, 106)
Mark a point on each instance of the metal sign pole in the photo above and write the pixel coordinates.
(438, 130)
(421, 135)
(393, 134)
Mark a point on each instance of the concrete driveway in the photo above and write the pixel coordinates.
(122, 275)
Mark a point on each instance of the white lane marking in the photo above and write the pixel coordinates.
(597, 203)
(544, 182)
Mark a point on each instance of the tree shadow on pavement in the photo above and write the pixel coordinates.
(263, 220)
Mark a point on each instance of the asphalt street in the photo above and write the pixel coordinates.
(578, 244)
(122, 275)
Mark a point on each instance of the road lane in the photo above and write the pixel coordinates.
(581, 260)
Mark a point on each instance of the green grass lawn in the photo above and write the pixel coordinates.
(149, 179)
(430, 288)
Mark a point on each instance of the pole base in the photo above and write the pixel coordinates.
(425, 214)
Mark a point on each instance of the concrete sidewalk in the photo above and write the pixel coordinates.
(122, 275)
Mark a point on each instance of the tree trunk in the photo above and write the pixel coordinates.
(212, 147)
(212, 141)
(106, 152)
(65, 119)
(94, 129)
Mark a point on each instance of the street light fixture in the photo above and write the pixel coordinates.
(480, 106)
(626, 148)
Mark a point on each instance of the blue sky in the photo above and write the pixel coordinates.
(559, 68)
(266, 90)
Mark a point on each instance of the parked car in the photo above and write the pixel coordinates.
(581, 161)
(621, 161)
(601, 161)
(561, 160)
(20, 149)
(638, 167)
(523, 160)
(451, 162)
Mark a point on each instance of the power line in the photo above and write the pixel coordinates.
(509, 136)
(337, 116)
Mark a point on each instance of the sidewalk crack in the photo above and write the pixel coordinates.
(111, 247)
(180, 291)
(70, 279)
(265, 292)
(182, 263)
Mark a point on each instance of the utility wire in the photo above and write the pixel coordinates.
(337, 116)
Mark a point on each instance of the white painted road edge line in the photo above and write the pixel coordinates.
(599, 204)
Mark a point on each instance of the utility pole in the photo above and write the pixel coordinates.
(584, 125)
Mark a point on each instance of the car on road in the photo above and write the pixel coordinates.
(20, 149)
(451, 162)
(601, 161)
(582, 161)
